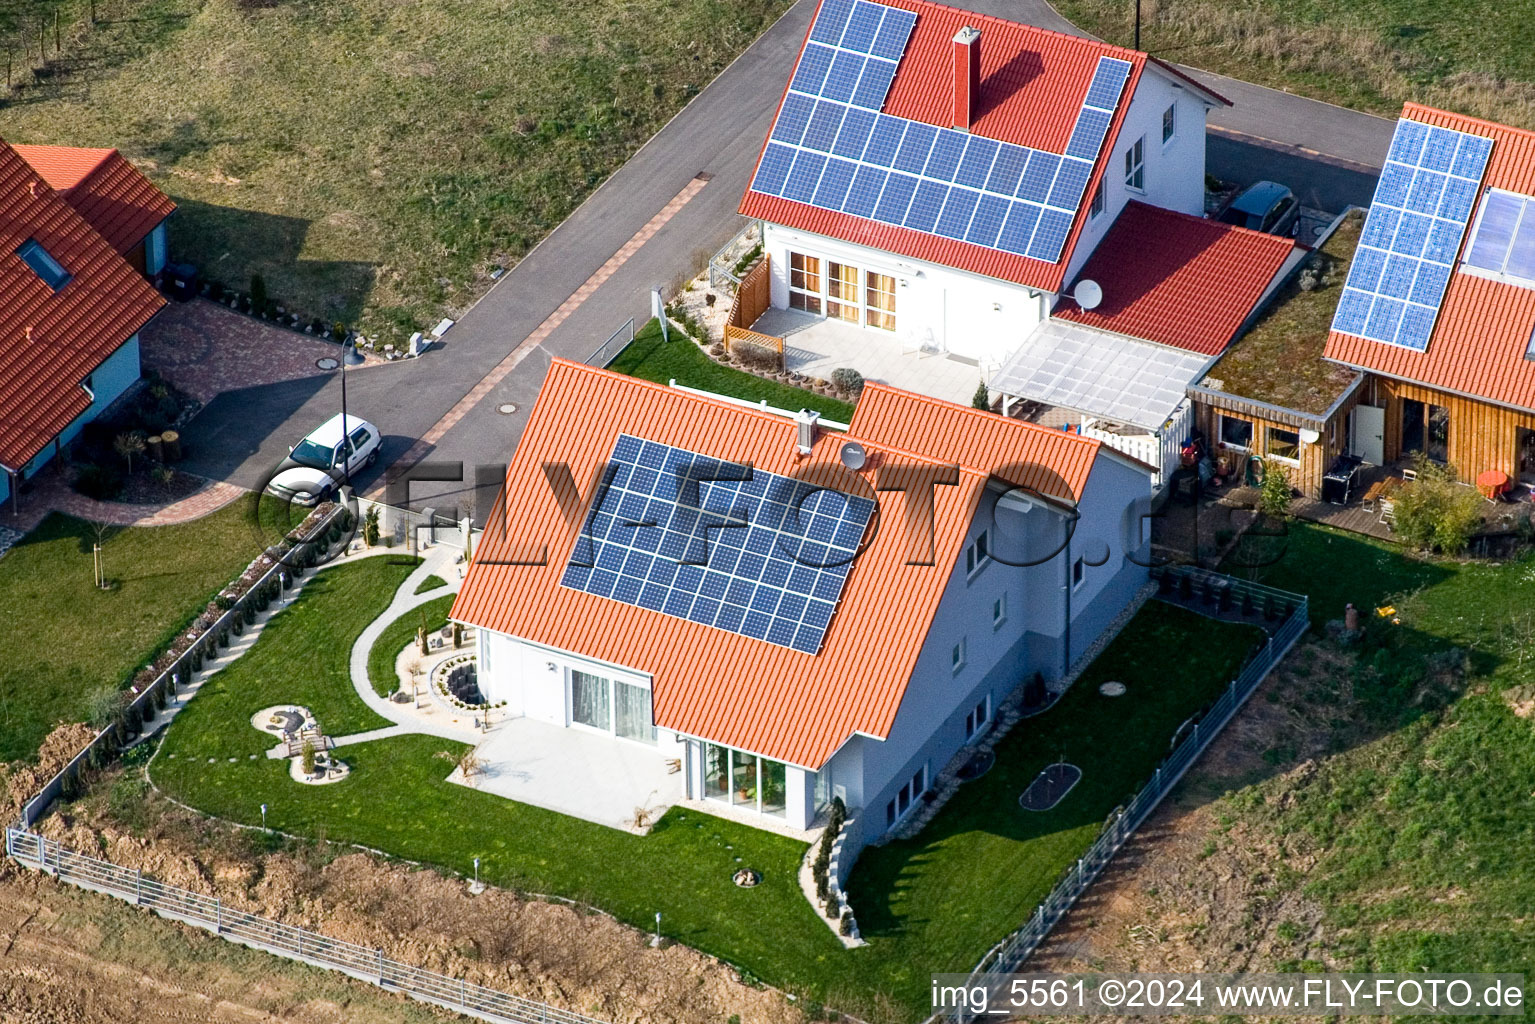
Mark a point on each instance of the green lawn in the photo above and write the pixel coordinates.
(430, 583)
(372, 159)
(1370, 54)
(301, 658)
(930, 904)
(1415, 831)
(682, 360)
(396, 635)
(939, 901)
(66, 640)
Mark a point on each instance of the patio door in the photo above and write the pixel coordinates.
(842, 292)
(879, 301)
(1524, 454)
(631, 713)
(590, 701)
(611, 706)
(805, 282)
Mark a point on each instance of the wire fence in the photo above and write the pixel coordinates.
(616, 343)
(1010, 953)
(208, 912)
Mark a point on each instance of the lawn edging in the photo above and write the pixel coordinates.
(1006, 957)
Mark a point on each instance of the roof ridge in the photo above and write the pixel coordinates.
(106, 154)
(1085, 42)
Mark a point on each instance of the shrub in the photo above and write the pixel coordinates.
(1274, 489)
(846, 927)
(102, 483)
(370, 526)
(982, 398)
(847, 381)
(756, 357)
(306, 758)
(1435, 512)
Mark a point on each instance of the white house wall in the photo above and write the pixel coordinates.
(1175, 172)
(967, 315)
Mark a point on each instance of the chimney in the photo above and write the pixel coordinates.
(967, 75)
(806, 420)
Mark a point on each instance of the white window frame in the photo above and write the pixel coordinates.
(1299, 446)
(1135, 166)
(1096, 207)
(1220, 433)
(1170, 123)
(999, 610)
(957, 657)
(977, 554)
(861, 288)
(977, 717)
(1078, 573)
(1463, 267)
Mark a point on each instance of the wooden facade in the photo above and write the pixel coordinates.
(1481, 436)
(1314, 459)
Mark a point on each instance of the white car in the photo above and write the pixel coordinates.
(321, 462)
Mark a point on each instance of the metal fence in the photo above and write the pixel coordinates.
(144, 707)
(361, 962)
(722, 265)
(1010, 953)
(609, 350)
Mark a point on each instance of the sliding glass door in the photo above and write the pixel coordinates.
(611, 706)
(745, 780)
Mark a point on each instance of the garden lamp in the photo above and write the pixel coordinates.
(263, 815)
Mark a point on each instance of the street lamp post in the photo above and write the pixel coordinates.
(349, 357)
(1137, 24)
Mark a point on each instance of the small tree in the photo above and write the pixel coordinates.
(1274, 491)
(128, 445)
(306, 758)
(1435, 512)
(421, 634)
(982, 398)
(370, 526)
(847, 381)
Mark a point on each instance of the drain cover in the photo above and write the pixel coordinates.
(1112, 689)
(327, 363)
(506, 408)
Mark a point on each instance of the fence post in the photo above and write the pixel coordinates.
(300, 941)
(138, 886)
(463, 997)
(218, 916)
(380, 966)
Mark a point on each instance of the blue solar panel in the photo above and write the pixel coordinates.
(831, 20)
(874, 85)
(915, 147)
(1108, 81)
(769, 555)
(854, 135)
(1417, 219)
(1050, 236)
(926, 204)
(947, 151)
(893, 33)
(831, 193)
(954, 222)
(838, 86)
(862, 27)
(975, 166)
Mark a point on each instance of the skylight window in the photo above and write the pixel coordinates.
(1503, 241)
(43, 264)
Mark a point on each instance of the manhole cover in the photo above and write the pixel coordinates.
(327, 363)
(1112, 689)
(506, 408)
(1050, 787)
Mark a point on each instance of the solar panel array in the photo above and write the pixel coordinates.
(831, 148)
(719, 544)
(1422, 204)
(1504, 240)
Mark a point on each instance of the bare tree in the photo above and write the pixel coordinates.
(128, 445)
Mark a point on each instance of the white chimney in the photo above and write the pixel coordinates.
(806, 420)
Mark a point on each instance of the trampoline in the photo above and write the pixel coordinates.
(1050, 787)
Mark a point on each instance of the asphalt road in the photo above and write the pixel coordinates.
(1326, 153)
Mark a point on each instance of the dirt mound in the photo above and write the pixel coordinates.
(554, 952)
(19, 780)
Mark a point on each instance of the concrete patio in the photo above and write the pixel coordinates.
(816, 346)
(582, 774)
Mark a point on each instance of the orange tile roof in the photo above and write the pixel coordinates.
(1049, 462)
(1177, 279)
(1032, 84)
(1484, 326)
(731, 689)
(51, 341)
(109, 192)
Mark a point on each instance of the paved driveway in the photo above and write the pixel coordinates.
(1324, 152)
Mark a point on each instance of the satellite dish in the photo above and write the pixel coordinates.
(1310, 436)
(1087, 293)
(853, 456)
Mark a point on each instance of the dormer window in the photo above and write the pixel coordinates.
(43, 264)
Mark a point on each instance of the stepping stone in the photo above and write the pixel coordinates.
(232, 760)
(213, 760)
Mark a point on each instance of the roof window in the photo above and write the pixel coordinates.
(43, 264)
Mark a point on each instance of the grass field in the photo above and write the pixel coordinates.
(65, 640)
(1476, 58)
(927, 904)
(373, 160)
(397, 634)
(430, 583)
(680, 359)
(1415, 832)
